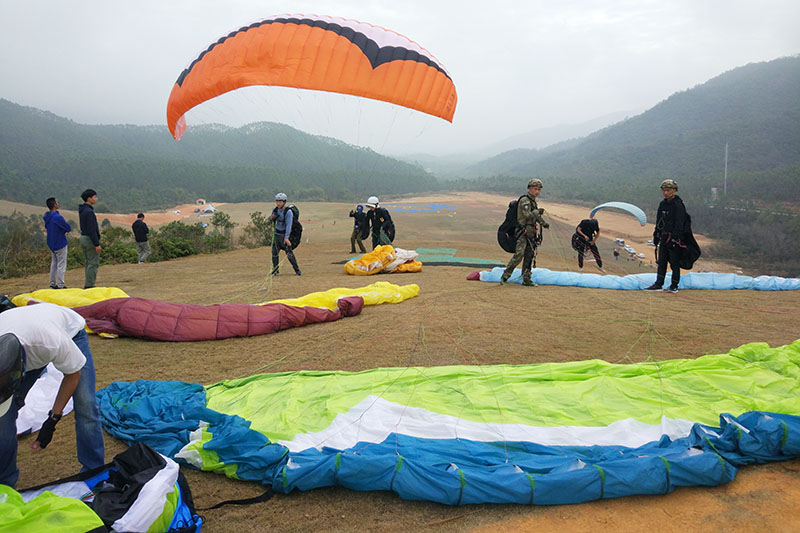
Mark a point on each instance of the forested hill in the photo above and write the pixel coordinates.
(142, 167)
(755, 109)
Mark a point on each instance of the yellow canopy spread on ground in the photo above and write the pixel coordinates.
(69, 297)
(374, 294)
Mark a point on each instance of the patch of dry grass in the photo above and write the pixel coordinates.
(452, 321)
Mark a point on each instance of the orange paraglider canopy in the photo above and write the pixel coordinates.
(320, 53)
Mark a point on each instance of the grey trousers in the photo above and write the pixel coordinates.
(143, 249)
(58, 265)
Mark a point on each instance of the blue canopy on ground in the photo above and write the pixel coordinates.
(690, 280)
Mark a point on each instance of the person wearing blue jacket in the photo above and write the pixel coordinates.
(57, 229)
(90, 237)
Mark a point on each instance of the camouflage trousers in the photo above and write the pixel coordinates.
(524, 252)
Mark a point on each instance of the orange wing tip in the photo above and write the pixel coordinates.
(180, 128)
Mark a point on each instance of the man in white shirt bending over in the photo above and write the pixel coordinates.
(30, 338)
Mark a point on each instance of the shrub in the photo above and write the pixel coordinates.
(165, 249)
(258, 232)
(119, 252)
(215, 243)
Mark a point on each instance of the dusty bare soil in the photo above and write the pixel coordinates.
(452, 321)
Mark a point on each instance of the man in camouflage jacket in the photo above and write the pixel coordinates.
(528, 215)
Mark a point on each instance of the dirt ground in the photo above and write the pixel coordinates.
(452, 321)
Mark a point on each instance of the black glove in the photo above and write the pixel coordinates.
(541, 210)
(545, 225)
(46, 433)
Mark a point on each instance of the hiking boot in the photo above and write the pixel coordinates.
(298, 272)
(671, 289)
(274, 272)
(654, 287)
(528, 283)
(504, 279)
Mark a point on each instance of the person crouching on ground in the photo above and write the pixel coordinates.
(282, 217)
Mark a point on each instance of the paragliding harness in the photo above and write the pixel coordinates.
(115, 487)
(690, 250)
(386, 230)
(296, 231)
(510, 231)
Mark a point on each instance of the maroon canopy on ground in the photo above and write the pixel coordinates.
(166, 321)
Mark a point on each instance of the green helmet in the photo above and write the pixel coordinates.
(535, 182)
(669, 184)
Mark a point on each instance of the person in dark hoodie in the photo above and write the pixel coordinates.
(90, 237)
(57, 229)
(670, 229)
(360, 228)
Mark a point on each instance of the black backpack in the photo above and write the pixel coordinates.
(691, 252)
(508, 231)
(296, 232)
(5, 303)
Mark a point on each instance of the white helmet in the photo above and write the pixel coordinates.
(372, 201)
(281, 197)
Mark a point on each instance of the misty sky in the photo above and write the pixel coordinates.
(517, 65)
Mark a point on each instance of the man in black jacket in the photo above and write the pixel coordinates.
(140, 231)
(669, 236)
(381, 222)
(90, 237)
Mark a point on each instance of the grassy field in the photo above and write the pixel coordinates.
(452, 321)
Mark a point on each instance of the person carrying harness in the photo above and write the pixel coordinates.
(282, 217)
(529, 216)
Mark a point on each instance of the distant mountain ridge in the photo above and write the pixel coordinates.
(42, 154)
(454, 165)
(755, 109)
